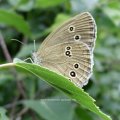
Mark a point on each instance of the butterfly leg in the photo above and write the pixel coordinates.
(29, 59)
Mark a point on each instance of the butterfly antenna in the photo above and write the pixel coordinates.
(34, 46)
(18, 41)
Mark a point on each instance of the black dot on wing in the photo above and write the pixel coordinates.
(76, 65)
(68, 47)
(77, 37)
(71, 29)
(67, 53)
(72, 74)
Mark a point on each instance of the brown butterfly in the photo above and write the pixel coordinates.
(69, 49)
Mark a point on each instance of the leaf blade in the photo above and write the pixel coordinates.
(47, 3)
(15, 20)
(66, 86)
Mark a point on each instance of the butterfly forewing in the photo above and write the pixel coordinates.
(82, 26)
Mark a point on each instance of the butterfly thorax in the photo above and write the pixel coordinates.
(37, 60)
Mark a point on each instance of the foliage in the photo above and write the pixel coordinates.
(27, 20)
(61, 83)
(3, 114)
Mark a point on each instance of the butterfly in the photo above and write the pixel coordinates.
(69, 49)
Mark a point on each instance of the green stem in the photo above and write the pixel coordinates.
(7, 65)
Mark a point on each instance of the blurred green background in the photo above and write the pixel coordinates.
(28, 20)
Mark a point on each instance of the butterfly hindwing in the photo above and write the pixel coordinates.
(71, 59)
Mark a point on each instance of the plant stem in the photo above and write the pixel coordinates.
(4, 48)
(7, 65)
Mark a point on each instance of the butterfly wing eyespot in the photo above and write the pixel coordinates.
(77, 37)
(72, 74)
(71, 29)
(76, 65)
(68, 47)
(68, 53)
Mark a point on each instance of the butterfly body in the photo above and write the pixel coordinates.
(69, 49)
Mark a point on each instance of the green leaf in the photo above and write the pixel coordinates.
(53, 106)
(83, 114)
(3, 114)
(26, 50)
(63, 84)
(113, 14)
(58, 21)
(48, 3)
(114, 4)
(16, 2)
(22, 5)
(4, 78)
(14, 20)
